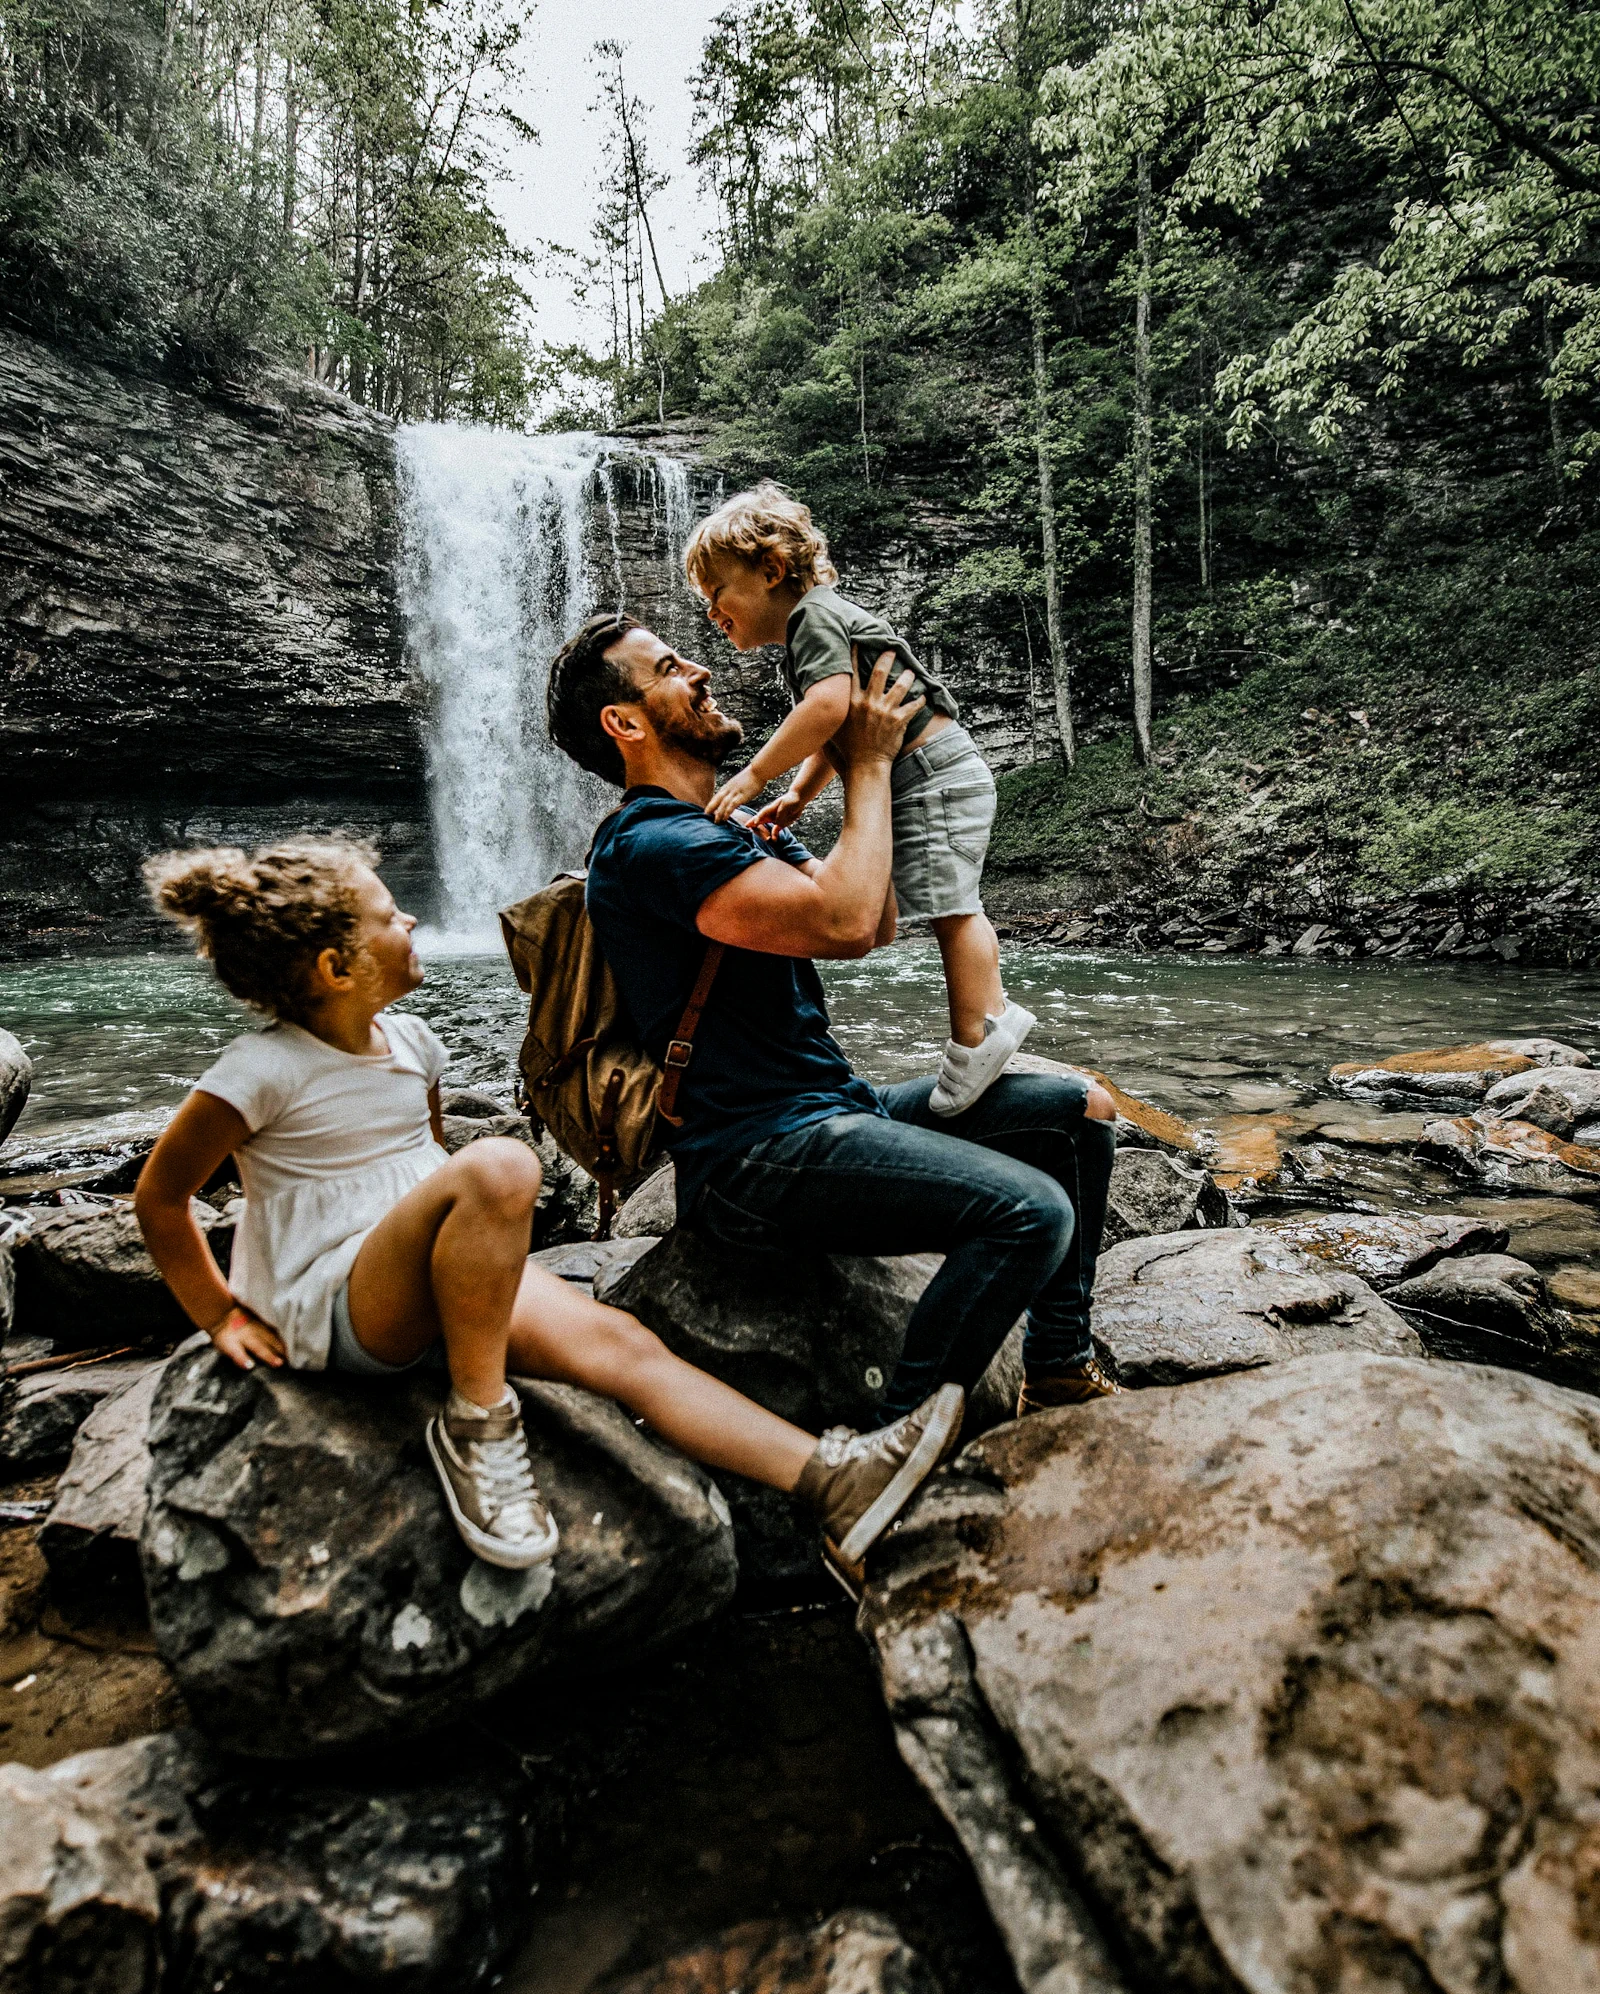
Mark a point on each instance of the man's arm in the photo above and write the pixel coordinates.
(834, 909)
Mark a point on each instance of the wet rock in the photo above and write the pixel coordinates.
(90, 1539)
(1249, 1153)
(1140, 1125)
(40, 1415)
(84, 1278)
(855, 1952)
(1576, 1288)
(568, 1201)
(1289, 1672)
(1557, 1099)
(1490, 1308)
(1152, 1192)
(1450, 1074)
(1193, 1304)
(103, 1157)
(1511, 1156)
(1383, 1248)
(16, 1077)
(309, 1591)
(652, 1211)
(155, 1868)
(471, 1104)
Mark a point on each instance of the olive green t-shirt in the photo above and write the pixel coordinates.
(823, 626)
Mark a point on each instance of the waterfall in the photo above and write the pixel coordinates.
(497, 569)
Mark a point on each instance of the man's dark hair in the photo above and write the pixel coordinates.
(583, 682)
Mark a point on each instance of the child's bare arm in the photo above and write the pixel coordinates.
(815, 775)
(816, 720)
(202, 1132)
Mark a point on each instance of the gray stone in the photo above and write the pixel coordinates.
(1453, 1075)
(1386, 1247)
(1491, 1308)
(853, 1952)
(568, 1201)
(309, 1591)
(1553, 1098)
(40, 1415)
(1510, 1155)
(90, 1539)
(1154, 1192)
(16, 1077)
(155, 1868)
(1193, 1304)
(652, 1211)
(12, 1228)
(584, 1261)
(472, 1104)
(84, 1278)
(1290, 1673)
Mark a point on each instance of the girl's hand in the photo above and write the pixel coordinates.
(244, 1337)
(737, 790)
(777, 815)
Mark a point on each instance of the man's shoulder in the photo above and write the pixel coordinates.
(647, 822)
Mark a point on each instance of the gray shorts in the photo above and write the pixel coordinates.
(943, 800)
(346, 1354)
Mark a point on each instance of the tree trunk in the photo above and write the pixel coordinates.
(291, 142)
(1558, 441)
(1060, 666)
(1141, 476)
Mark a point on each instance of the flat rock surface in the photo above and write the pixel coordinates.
(1511, 1156)
(1384, 1248)
(1193, 1304)
(308, 1588)
(855, 1952)
(1293, 1671)
(156, 1865)
(1450, 1072)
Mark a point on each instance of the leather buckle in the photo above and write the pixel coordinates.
(678, 1051)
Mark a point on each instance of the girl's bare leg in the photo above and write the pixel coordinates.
(448, 1260)
(970, 950)
(560, 1334)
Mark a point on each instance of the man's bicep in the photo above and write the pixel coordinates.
(771, 907)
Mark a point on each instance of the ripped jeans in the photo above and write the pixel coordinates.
(1013, 1193)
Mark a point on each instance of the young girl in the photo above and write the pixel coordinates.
(364, 1247)
(763, 568)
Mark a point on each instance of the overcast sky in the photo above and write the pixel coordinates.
(551, 194)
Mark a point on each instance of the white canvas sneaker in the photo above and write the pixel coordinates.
(966, 1071)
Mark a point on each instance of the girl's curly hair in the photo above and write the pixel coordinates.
(264, 920)
(761, 521)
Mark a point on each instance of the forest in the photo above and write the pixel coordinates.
(1241, 359)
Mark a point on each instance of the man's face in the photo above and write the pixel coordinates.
(675, 696)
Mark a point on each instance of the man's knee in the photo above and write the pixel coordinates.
(1047, 1215)
(498, 1171)
(1099, 1106)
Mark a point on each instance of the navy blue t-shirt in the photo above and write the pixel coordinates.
(764, 1061)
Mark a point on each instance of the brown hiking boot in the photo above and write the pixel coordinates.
(858, 1483)
(1076, 1385)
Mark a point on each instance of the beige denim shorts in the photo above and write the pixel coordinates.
(943, 800)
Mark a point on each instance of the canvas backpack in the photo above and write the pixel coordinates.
(587, 1078)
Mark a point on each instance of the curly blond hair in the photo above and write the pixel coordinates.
(263, 920)
(761, 521)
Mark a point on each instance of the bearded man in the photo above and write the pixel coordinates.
(782, 1144)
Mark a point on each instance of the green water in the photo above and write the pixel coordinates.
(111, 1035)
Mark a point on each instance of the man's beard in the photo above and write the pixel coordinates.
(705, 735)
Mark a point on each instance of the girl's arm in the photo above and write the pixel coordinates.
(202, 1132)
(816, 719)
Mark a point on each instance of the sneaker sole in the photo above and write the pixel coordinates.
(492, 1550)
(947, 1108)
(938, 1436)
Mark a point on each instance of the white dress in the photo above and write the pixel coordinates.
(336, 1140)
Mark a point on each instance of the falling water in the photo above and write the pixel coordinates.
(495, 573)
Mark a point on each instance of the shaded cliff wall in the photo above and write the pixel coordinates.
(198, 634)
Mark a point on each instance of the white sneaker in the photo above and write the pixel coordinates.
(488, 1482)
(967, 1071)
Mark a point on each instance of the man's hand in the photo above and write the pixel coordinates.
(879, 715)
(243, 1336)
(735, 792)
(778, 815)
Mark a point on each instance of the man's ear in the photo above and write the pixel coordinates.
(625, 724)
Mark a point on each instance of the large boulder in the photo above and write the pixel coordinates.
(1153, 1191)
(1511, 1155)
(84, 1278)
(1490, 1308)
(40, 1414)
(156, 1868)
(16, 1077)
(90, 1539)
(1559, 1099)
(1193, 1304)
(854, 1952)
(1290, 1673)
(1386, 1247)
(309, 1591)
(1449, 1074)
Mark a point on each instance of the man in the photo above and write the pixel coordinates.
(782, 1145)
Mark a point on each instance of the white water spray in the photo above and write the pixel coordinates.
(495, 573)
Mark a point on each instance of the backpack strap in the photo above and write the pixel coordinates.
(680, 1049)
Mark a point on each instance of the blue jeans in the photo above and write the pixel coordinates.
(1013, 1193)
